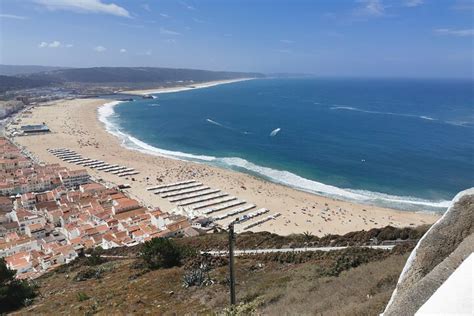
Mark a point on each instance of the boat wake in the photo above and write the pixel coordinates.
(216, 123)
(226, 127)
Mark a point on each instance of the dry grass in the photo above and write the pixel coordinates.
(353, 281)
(360, 291)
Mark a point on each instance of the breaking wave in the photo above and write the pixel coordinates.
(106, 116)
(423, 117)
(461, 123)
(349, 108)
(275, 132)
(295, 181)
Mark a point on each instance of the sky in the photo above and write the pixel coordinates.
(356, 38)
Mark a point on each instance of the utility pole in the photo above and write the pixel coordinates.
(231, 264)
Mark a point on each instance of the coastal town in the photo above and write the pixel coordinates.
(49, 215)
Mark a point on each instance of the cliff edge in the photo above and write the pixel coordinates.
(436, 256)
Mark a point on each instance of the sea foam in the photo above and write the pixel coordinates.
(106, 114)
(295, 181)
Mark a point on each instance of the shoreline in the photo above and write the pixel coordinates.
(187, 87)
(282, 177)
(75, 125)
(350, 195)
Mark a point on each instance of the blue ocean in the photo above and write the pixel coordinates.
(401, 143)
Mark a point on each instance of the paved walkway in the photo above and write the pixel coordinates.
(264, 251)
(306, 249)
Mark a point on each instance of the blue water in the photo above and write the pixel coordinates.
(399, 143)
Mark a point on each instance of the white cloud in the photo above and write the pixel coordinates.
(84, 6)
(54, 44)
(198, 21)
(146, 7)
(286, 41)
(413, 3)
(100, 49)
(122, 50)
(13, 16)
(452, 32)
(170, 40)
(164, 15)
(370, 8)
(168, 32)
(187, 6)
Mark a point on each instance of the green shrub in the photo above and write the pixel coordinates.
(95, 257)
(13, 293)
(161, 253)
(81, 296)
(352, 258)
(90, 273)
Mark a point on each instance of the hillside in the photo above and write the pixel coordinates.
(8, 83)
(14, 70)
(136, 75)
(118, 77)
(355, 280)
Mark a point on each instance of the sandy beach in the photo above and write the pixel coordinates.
(74, 124)
(185, 87)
